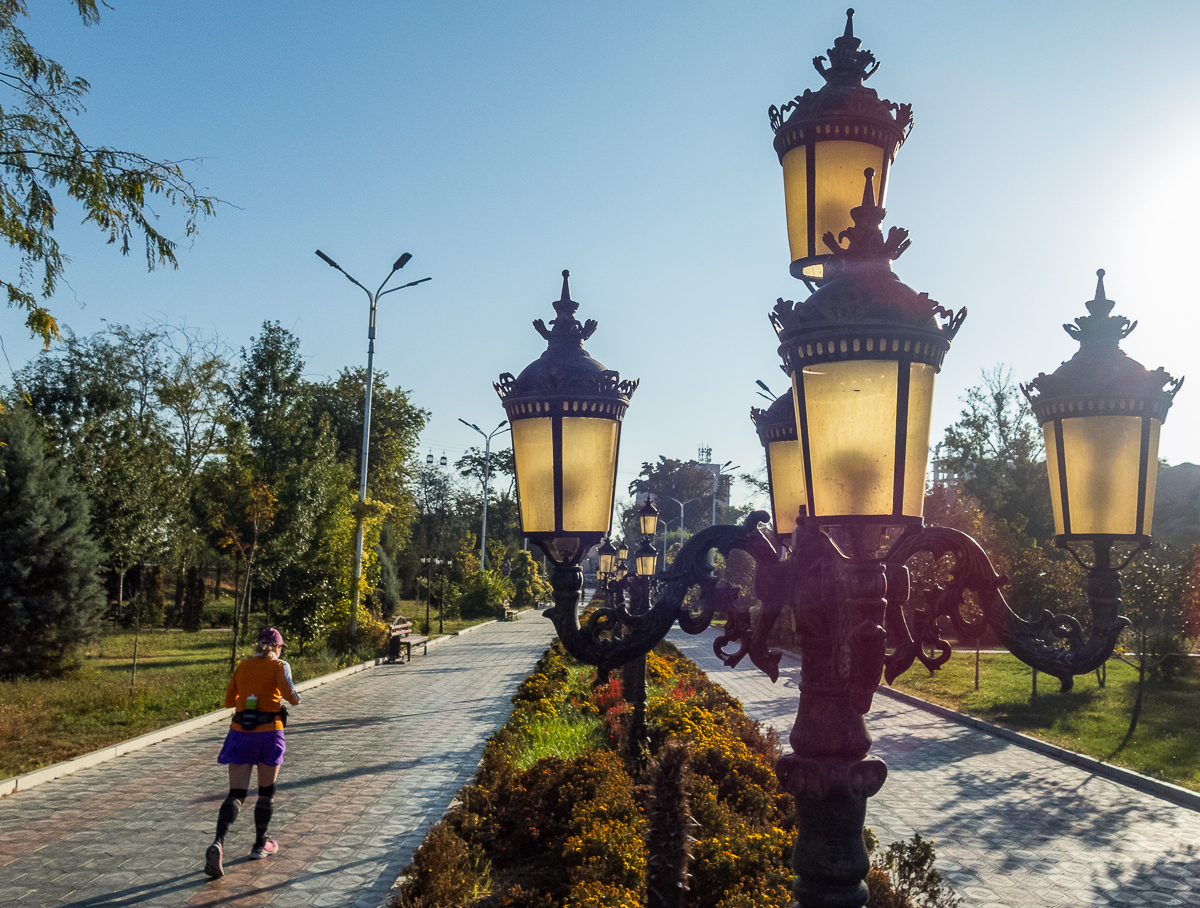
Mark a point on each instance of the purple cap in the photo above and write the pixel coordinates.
(271, 637)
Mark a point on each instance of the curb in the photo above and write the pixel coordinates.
(1181, 797)
(66, 767)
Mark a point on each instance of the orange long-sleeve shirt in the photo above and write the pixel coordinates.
(267, 678)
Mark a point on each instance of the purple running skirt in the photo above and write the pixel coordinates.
(246, 748)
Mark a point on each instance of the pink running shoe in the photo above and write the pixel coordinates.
(268, 848)
(212, 860)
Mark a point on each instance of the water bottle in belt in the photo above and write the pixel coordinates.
(250, 713)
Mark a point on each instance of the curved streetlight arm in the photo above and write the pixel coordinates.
(332, 264)
(403, 286)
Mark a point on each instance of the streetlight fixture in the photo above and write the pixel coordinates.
(824, 140)
(1101, 413)
(487, 474)
(366, 436)
(862, 352)
(565, 410)
(776, 428)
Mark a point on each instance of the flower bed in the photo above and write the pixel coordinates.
(560, 817)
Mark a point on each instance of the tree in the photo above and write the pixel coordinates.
(997, 448)
(50, 598)
(98, 399)
(529, 584)
(1156, 593)
(395, 427)
(40, 153)
(683, 480)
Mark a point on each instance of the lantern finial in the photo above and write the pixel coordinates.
(848, 65)
(1099, 329)
(566, 329)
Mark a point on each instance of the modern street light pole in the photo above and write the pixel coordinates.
(366, 438)
(682, 504)
(487, 473)
(717, 474)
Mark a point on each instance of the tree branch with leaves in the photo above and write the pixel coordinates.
(42, 154)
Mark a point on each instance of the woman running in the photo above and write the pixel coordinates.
(256, 690)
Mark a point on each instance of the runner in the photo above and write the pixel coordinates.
(256, 690)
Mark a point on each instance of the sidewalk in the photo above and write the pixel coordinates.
(1014, 828)
(373, 760)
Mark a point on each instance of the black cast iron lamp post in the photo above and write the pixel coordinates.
(824, 140)
(862, 352)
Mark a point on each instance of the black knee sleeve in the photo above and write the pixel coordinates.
(266, 791)
(230, 808)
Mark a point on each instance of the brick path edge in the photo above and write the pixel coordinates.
(1176, 794)
(104, 754)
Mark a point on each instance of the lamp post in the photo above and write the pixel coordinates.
(366, 436)
(682, 505)
(487, 472)
(717, 474)
(847, 479)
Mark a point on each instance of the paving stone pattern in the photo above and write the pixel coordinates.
(1013, 828)
(373, 760)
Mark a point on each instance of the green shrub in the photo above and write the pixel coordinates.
(903, 876)
(484, 595)
(218, 614)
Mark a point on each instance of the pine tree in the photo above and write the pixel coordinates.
(50, 597)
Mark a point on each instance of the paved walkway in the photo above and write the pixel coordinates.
(373, 760)
(1013, 828)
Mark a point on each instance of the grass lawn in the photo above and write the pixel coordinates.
(178, 676)
(1089, 720)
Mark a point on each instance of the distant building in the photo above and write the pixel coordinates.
(942, 476)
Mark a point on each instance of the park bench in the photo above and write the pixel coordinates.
(510, 614)
(402, 636)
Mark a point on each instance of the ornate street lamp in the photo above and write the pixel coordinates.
(1101, 413)
(825, 139)
(565, 410)
(648, 518)
(646, 557)
(862, 352)
(776, 427)
(607, 558)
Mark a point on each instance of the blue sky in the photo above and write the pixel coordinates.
(629, 142)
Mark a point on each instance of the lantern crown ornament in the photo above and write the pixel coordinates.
(1101, 412)
(825, 138)
(565, 410)
(1100, 372)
